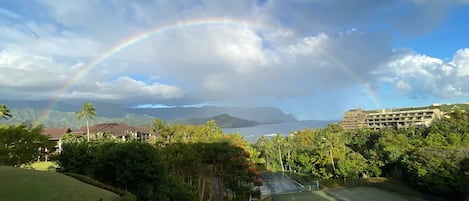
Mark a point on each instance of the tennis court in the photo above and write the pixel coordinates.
(278, 183)
(304, 196)
(280, 187)
(364, 194)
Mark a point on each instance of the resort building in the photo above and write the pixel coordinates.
(120, 131)
(55, 136)
(397, 118)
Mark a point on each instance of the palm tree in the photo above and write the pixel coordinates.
(280, 143)
(5, 113)
(88, 112)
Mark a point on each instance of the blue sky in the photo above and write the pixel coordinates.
(314, 59)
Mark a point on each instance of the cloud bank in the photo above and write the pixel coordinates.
(316, 53)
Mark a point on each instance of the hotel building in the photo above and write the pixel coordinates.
(397, 118)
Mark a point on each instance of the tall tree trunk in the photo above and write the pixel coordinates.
(280, 158)
(87, 131)
(332, 159)
(201, 187)
(218, 189)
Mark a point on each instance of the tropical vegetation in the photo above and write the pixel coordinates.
(20, 144)
(5, 113)
(200, 162)
(88, 112)
(196, 162)
(433, 159)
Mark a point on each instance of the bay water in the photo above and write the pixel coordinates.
(253, 133)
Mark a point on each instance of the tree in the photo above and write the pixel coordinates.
(133, 166)
(440, 171)
(279, 143)
(332, 142)
(262, 146)
(20, 144)
(88, 112)
(5, 113)
(352, 165)
(393, 147)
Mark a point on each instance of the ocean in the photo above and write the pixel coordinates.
(253, 133)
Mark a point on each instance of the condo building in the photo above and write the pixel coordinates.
(397, 118)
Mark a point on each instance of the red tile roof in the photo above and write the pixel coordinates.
(55, 133)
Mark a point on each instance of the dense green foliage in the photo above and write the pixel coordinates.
(433, 159)
(132, 166)
(214, 168)
(20, 144)
(181, 163)
(5, 112)
(218, 165)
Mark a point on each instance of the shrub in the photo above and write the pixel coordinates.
(135, 167)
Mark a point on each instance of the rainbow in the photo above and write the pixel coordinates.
(134, 39)
(137, 38)
(372, 95)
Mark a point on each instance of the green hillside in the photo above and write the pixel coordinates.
(223, 121)
(19, 184)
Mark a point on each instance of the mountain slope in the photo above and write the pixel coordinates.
(62, 114)
(259, 114)
(223, 121)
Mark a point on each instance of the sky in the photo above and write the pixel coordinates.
(314, 59)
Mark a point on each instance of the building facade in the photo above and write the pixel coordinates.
(399, 118)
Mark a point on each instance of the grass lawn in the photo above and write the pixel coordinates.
(44, 166)
(18, 184)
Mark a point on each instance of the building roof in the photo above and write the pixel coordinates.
(55, 133)
(143, 129)
(117, 129)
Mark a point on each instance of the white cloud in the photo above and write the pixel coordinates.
(20, 70)
(126, 87)
(217, 61)
(461, 61)
(37, 77)
(316, 47)
(403, 87)
(420, 75)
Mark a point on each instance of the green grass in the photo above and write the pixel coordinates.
(19, 184)
(43, 166)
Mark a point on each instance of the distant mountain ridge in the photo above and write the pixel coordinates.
(109, 112)
(223, 121)
(259, 114)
